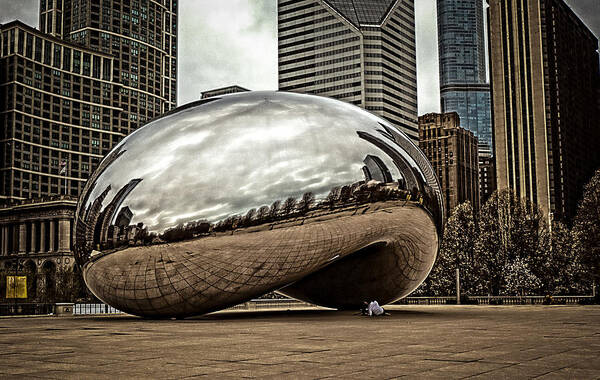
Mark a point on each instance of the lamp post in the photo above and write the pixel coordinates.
(457, 286)
(15, 283)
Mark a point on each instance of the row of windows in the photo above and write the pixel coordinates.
(399, 29)
(321, 72)
(56, 55)
(321, 81)
(293, 9)
(320, 55)
(318, 47)
(337, 87)
(411, 80)
(396, 62)
(33, 154)
(283, 29)
(320, 64)
(310, 31)
(315, 38)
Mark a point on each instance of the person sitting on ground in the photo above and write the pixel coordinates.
(373, 309)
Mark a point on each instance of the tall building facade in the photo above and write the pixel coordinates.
(362, 52)
(545, 80)
(452, 151)
(487, 176)
(463, 84)
(69, 92)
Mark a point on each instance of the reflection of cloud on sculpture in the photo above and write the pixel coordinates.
(234, 150)
(259, 162)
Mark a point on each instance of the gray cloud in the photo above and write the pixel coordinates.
(428, 83)
(589, 12)
(24, 10)
(241, 152)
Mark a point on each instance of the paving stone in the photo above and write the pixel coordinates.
(446, 342)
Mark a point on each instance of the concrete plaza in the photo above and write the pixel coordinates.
(414, 342)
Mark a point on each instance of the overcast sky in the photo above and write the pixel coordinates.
(229, 42)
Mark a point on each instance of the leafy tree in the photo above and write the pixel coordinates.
(519, 279)
(558, 267)
(509, 228)
(457, 252)
(586, 227)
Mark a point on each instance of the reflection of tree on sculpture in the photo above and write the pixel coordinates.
(345, 194)
(248, 218)
(274, 210)
(304, 204)
(331, 198)
(288, 206)
(357, 193)
(262, 215)
(181, 232)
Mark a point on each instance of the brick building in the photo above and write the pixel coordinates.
(452, 151)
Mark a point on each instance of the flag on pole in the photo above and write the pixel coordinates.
(63, 167)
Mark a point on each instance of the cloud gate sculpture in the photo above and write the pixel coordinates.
(228, 198)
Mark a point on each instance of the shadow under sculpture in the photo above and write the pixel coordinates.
(225, 199)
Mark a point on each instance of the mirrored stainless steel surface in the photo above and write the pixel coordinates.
(228, 198)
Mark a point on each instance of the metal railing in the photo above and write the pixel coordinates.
(94, 308)
(289, 303)
(26, 309)
(494, 300)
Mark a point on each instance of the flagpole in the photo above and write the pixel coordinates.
(63, 171)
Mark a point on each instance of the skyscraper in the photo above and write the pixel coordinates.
(545, 79)
(463, 84)
(95, 72)
(452, 151)
(362, 52)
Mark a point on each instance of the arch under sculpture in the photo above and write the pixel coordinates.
(225, 199)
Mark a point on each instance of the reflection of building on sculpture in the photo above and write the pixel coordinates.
(179, 238)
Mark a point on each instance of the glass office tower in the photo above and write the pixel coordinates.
(463, 86)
